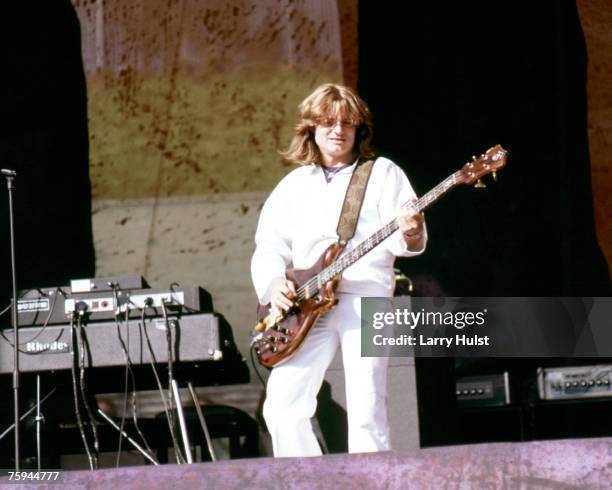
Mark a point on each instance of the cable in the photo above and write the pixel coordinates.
(129, 371)
(22, 294)
(51, 309)
(40, 331)
(170, 377)
(153, 361)
(129, 365)
(125, 393)
(77, 410)
(252, 350)
(169, 344)
(92, 420)
(134, 389)
(127, 368)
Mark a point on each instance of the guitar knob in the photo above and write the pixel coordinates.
(260, 327)
(271, 338)
(284, 340)
(273, 349)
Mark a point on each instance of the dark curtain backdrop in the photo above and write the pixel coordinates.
(43, 136)
(447, 80)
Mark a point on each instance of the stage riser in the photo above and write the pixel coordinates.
(551, 464)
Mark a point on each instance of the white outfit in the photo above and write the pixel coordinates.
(297, 223)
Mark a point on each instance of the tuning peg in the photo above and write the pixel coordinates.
(494, 175)
(473, 157)
(479, 184)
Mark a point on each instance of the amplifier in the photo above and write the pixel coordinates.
(108, 283)
(487, 390)
(46, 305)
(53, 306)
(193, 338)
(575, 382)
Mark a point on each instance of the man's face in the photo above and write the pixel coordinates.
(335, 138)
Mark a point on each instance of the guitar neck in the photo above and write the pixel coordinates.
(349, 258)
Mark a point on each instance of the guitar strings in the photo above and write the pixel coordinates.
(373, 240)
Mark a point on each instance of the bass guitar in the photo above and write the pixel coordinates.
(278, 335)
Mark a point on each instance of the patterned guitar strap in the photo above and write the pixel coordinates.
(353, 200)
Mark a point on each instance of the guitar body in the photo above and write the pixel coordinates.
(281, 335)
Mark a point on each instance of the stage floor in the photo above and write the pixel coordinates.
(579, 463)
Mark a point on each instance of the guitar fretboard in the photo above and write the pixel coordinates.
(313, 285)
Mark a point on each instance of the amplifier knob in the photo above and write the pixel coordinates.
(606, 382)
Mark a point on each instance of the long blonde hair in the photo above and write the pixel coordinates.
(329, 101)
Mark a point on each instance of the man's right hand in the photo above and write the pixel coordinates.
(282, 293)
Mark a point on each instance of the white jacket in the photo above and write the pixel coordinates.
(299, 220)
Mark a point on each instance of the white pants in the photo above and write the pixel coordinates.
(293, 387)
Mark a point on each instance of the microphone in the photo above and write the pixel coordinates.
(8, 173)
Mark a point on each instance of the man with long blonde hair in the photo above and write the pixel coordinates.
(297, 224)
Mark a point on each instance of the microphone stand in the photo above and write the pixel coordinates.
(43, 400)
(10, 176)
(39, 419)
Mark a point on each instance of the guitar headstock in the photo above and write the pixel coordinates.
(488, 163)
